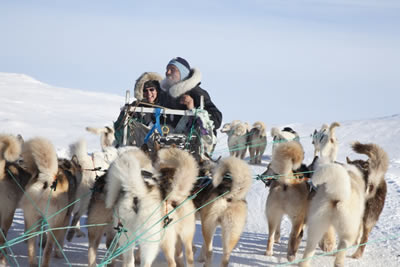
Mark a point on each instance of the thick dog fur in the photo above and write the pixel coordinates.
(231, 175)
(257, 141)
(375, 168)
(287, 195)
(339, 204)
(325, 143)
(88, 174)
(97, 211)
(138, 207)
(40, 200)
(13, 179)
(176, 173)
(106, 133)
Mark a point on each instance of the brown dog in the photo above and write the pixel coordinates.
(287, 195)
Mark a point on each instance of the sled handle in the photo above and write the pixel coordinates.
(125, 136)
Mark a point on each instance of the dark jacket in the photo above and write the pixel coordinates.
(191, 86)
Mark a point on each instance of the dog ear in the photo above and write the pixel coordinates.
(348, 160)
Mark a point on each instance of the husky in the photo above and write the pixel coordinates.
(377, 188)
(288, 194)
(237, 138)
(325, 142)
(231, 177)
(97, 213)
(156, 212)
(257, 141)
(13, 179)
(287, 134)
(340, 201)
(51, 188)
(178, 173)
(89, 171)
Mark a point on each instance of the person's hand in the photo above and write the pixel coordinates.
(187, 100)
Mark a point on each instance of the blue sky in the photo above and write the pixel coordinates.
(277, 61)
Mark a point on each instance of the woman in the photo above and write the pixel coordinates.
(147, 90)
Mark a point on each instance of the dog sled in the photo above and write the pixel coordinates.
(193, 133)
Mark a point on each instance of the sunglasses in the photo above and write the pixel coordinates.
(149, 90)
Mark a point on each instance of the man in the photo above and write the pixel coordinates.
(183, 86)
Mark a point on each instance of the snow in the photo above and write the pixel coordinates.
(32, 108)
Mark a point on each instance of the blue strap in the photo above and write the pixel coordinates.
(155, 126)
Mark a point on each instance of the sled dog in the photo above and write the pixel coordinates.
(288, 194)
(13, 179)
(97, 212)
(152, 221)
(376, 187)
(325, 142)
(237, 138)
(257, 141)
(342, 194)
(51, 188)
(230, 175)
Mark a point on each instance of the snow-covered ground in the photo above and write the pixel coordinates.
(31, 108)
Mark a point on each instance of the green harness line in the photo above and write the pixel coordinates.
(4, 251)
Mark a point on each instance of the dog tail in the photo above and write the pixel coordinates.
(275, 132)
(260, 126)
(287, 157)
(40, 158)
(336, 179)
(378, 161)
(186, 171)
(125, 175)
(332, 128)
(106, 133)
(10, 148)
(237, 170)
(79, 149)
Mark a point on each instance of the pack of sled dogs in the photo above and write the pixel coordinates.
(137, 197)
(149, 198)
(329, 198)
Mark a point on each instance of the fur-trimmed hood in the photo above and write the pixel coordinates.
(147, 76)
(186, 85)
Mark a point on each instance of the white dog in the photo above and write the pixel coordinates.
(325, 142)
(340, 200)
(237, 137)
(231, 175)
(149, 220)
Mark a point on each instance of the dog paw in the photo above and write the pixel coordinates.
(268, 253)
(356, 255)
(200, 258)
(291, 258)
(326, 246)
(70, 235)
